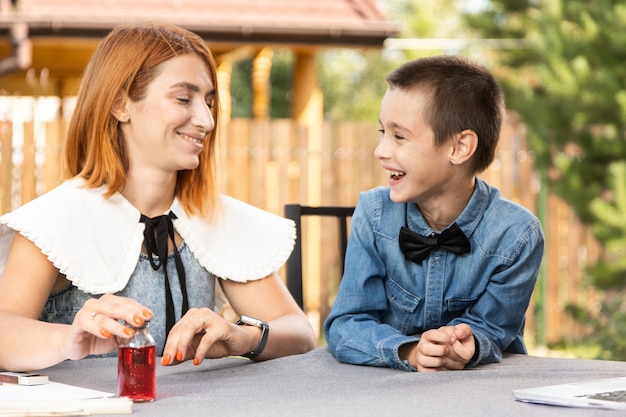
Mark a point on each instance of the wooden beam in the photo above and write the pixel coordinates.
(308, 110)
(261, 88)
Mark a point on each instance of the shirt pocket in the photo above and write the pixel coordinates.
(402, 305)
(456, 307)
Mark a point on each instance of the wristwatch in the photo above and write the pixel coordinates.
(265, 331)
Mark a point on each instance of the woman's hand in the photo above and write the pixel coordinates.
(97, 323)
(201, 333)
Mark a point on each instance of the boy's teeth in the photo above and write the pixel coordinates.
(396, 174)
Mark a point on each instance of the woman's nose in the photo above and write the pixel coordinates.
(203, 117)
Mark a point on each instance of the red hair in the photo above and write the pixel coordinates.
(127, 60)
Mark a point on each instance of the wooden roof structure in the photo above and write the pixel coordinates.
(59, 36)
(345, 22)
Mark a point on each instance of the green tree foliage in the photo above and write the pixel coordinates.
(280, 82)
(241, 89)
(353, 81)
(569, 85)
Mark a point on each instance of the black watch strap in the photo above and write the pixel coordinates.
(265, 330)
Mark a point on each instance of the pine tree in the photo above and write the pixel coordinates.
(568, 82)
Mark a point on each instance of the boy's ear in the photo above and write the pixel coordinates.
(120, 108)
(464, 146)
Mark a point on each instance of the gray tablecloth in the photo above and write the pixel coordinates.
(315, 384)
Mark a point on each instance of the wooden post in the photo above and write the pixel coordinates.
(29, 178)
(53, 168)
(261, 88)
(308, 110)
(224, 73)
(6, 157)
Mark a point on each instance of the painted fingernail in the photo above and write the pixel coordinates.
(179, 356)
(128, 331)
(138, 320)
(165, 360)
(105, 333)
(147, 314)
(196, 361)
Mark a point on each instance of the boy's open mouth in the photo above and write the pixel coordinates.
(396, 175)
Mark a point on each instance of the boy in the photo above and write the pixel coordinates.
(457, 295)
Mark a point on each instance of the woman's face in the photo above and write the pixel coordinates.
(166, 129)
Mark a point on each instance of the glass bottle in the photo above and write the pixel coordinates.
(136, 366)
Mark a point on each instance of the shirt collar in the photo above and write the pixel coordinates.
(468, 219)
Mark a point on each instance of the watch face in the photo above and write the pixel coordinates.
(251, 321)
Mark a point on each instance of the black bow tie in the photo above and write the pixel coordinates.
(417, 247)
(155, 238)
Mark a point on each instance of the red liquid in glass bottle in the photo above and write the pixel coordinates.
(136, 367)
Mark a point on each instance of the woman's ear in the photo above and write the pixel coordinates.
(465, 144)
(120, 108)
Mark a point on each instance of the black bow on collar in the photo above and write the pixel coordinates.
(417, 247)
(156, 233)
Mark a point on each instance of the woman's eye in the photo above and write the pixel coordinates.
(184, 100)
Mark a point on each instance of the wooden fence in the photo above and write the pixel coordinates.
(265, 163)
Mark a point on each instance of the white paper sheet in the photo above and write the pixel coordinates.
(49, 391)
(56, 399)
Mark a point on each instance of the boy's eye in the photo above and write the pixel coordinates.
(395, 135)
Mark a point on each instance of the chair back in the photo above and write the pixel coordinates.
(294, 263)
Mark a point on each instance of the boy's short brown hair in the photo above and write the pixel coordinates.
(463, 95)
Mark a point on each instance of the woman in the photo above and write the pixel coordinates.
(138, 231)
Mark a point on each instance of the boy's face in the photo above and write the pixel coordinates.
(418, 170)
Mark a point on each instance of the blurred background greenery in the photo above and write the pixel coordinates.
(562, 66)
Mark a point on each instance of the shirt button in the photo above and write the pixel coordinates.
(436, 259)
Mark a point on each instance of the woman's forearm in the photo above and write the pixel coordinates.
(27, 344)
(289, 335)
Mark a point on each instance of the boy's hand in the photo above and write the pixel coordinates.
(445, 348)
(462, 349)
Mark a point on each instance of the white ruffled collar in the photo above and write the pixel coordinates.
(96, 242)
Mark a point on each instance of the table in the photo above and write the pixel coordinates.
(315, 384)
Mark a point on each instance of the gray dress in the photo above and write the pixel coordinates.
(147, 287)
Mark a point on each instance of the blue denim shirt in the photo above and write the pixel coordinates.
(386, 301)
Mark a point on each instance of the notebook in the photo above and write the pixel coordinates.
(606, 393)
(54, 398)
